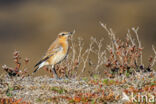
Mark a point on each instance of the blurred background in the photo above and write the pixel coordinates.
(31, 25)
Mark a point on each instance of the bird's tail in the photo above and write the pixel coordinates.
(41, 61)
(36, 69)
(39, 66)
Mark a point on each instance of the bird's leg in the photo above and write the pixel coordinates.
(54, 72)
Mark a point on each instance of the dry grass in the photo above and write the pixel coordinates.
(121, 64)
(88, 90)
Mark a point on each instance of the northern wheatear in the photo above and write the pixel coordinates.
(57, 52)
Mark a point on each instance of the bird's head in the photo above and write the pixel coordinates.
(65, 35)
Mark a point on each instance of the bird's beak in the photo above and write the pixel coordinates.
(71, 33)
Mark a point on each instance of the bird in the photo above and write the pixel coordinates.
(56, 53)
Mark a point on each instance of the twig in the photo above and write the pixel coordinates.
(139, 42)
(154, 60)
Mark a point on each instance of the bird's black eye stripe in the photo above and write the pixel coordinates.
(63, 34)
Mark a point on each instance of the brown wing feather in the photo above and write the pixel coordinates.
(54, 48)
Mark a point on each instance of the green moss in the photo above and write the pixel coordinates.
(58, 90)
(105, 81)
(38, 100)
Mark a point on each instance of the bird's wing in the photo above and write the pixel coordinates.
(54, 48)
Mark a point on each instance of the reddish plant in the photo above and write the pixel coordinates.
(17, 70)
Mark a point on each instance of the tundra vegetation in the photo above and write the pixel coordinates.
(92, 75)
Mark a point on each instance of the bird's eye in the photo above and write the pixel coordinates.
(63, 34)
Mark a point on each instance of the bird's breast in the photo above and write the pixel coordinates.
(59, 56)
